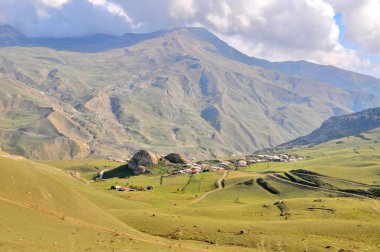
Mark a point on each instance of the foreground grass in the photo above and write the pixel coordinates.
(243, 214)
(45, 209)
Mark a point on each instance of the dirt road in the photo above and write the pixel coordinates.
(220, 187)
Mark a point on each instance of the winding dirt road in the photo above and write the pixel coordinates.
(220, 187)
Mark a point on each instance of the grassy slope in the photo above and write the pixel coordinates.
(44, 209)
(28, 124)
(351, 158)
(354, 223)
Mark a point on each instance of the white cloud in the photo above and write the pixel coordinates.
(54, 3)
(182, 9)
(221, 19)
(113, 9)
(271, 29)
(362, 22)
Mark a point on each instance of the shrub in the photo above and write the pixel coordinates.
(267, 186)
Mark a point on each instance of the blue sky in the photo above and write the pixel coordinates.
(344, 33)
(342, 28)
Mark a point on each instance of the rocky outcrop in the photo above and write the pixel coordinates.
(142, 162)
(176, 158)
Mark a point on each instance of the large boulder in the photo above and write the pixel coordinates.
(176, 158)
(142, 162)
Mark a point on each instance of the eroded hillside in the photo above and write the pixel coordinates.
(179, 90)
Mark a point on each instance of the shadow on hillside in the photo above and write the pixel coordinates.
(118, 172)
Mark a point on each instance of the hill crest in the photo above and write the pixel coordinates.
(338, 127)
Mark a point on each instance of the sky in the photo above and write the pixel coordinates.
(344, 33)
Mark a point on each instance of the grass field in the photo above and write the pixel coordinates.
(312, 218)
(45, 209)
(309, 205)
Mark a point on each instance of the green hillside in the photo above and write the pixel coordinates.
(331, 202)
(45, 209)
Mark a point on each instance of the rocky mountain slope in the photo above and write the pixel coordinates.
(182, 90)
(340, 126)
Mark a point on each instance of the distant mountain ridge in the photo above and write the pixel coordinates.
(90, 44)
(340, 78)
(340, 126)
(182, 90)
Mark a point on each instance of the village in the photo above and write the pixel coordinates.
(144, 162)
(234, 163)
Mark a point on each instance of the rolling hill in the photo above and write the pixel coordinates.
(271, 206)
(178, 90)
(45, 209)
(340, 127)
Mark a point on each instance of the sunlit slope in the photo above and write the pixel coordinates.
(222, 214)
(44, 209)
(33, 126)
(179, 91)
(353, 158)
(329, 201)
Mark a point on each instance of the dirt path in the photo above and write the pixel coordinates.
(93, 226)
(317, 188)
(220, 187)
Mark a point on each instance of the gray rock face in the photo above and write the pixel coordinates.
(176, 158)
(142, 162)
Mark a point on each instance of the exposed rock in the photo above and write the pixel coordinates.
(142, 162)
(176, 158)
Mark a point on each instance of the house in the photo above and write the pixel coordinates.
(224, 163)
(194, 171)
(251, 161)
(242, 163)
(285, 156)
(124, 189)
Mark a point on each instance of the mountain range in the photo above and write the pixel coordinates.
(178, 90)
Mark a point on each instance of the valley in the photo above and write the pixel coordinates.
(318, 204)
(176, 141)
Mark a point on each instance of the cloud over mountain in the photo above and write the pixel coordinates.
(272, 29)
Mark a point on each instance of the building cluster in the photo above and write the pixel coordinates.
(203, 166)
(252, 159)
(222, 165)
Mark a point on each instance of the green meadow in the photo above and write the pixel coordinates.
(326, 202)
